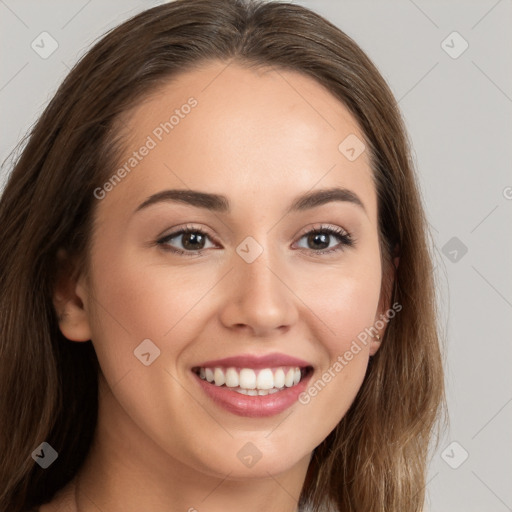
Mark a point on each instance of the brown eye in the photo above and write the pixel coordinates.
(191, 240)
(319, 240)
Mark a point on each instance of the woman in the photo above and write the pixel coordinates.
(217, 291)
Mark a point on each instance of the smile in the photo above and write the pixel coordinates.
(253, 382)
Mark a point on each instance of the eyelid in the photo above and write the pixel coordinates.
(174, 231)
(323, 226)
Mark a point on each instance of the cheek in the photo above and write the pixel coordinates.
(135, 301)
(149, 301)
(346, 308)
(347, 305)
(345, 300)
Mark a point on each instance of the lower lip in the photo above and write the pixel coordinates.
(253, 406)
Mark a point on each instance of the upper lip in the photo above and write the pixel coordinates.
(252, 361)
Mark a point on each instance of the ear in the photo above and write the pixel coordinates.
(69, 300)
(388, 281)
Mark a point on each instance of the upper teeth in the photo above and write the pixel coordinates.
(247, 378)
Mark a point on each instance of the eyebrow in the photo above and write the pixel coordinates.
(219, 203)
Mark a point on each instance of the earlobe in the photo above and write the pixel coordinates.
(375, 345)
(73, 320)
(70, 309)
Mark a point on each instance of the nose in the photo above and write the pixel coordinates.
(259, 299)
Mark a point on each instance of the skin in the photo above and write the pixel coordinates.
(261, 138)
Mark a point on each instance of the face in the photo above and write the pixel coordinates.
(249, 281)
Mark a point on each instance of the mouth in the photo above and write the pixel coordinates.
(254, 381)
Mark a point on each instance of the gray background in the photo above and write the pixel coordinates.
(458, 113)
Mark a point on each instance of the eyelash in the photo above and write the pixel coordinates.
(346, 240)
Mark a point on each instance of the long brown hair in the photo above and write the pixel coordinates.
(376, 457)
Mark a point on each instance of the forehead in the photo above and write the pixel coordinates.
(243, 132)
